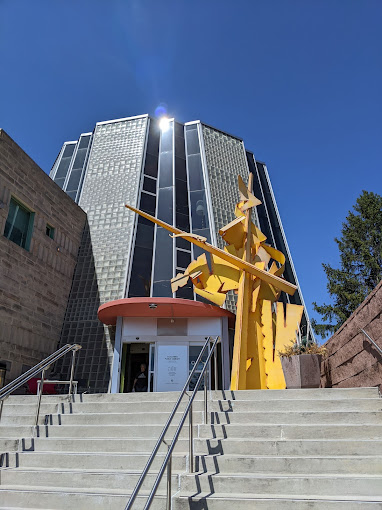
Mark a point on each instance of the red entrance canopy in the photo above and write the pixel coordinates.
(158, 307)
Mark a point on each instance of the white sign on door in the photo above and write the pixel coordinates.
(172, 369)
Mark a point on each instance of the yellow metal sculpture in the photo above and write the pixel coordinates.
(252, 269)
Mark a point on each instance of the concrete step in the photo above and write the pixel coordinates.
(99, 445)
(286, 432)
(291, 485)
(92, 431)
(69, 498)
(307, 447)
(212, 463)
(82, 479)
(207, 501)
(88, 461)
(252, 431)
(160, 418)
(305, 394)
(371, 465)
(272, 405)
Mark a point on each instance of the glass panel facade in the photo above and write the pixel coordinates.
(141, 269)
(164, 245)
(77, 171)
(63, 165)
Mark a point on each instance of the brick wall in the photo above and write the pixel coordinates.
(34, 284)
(353, 361)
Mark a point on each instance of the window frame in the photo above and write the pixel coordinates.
(29, 231)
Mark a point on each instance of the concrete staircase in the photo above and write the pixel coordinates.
(295, 449)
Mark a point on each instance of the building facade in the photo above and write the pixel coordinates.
(186, 175)
(40, 234)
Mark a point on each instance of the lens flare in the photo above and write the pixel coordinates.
(161, 110)
(164, 124)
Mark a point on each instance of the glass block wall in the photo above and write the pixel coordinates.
(113, 176)
(225, 160)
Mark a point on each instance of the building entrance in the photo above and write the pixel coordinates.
(133, 356)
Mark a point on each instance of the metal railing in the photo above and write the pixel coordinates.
(372, 341)
(167, 463)
(37, 369)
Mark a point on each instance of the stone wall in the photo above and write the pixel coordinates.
(353, 361)
(34, 284)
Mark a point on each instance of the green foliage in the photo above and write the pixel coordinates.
(361, 263)
(307, 346)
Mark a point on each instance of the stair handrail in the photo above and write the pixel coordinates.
(170, 446)
(42, 366)
(372, 341)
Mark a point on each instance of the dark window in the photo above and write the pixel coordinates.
(84, 142)
(181, 196)
(62, 169)
(166, 174)
(180, 169)
(183, 222)
(179, 131)
(151, 165)
(79, 160)
(195, 172)
(192, 141)
(163, 269)
(49, 231)
(140, 280)
(165, 205)
(191, 127)
(166, 140)
(148, 203)
(68, 151)
(19, 224)
(145, 235)
(150, 185)
(180, 151)
(182, 243)
(144, 221)
(199, 214)
(153, 141)
(162, 289)
(183, 258)
(74, 180)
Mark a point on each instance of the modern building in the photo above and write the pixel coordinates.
(40, 233)
(185, 174)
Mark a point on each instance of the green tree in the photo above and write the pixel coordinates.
(360, 249)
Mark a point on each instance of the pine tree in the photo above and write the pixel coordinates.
(361, 263)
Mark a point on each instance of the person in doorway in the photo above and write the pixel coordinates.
(140, 381)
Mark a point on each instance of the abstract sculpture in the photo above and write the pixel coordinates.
(252, 269)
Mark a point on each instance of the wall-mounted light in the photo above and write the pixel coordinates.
(153, 306)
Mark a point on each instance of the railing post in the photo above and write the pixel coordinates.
(216, 366)
(71, 375)
(205, 398)
(39, 396)
(191, 441)
(169, 468)
(1, 407)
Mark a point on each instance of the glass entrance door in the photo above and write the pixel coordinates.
(193, 353)
(151, 368)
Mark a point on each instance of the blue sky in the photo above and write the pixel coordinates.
(299, 80)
